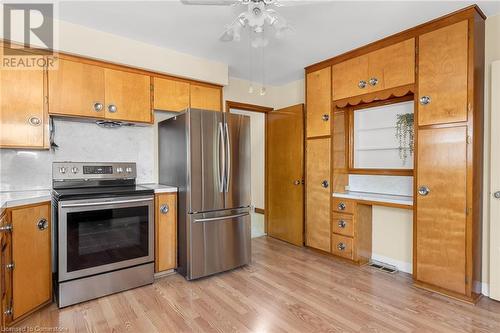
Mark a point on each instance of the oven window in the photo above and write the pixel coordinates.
(101, 237)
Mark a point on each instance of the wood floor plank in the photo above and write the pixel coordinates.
(284, 289)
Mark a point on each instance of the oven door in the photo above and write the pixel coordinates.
(102, 235)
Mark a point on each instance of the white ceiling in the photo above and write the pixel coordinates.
(322, 30)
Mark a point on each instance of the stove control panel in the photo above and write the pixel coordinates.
(93, 170)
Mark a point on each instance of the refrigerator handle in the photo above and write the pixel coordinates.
(220, 138)
(228, 160)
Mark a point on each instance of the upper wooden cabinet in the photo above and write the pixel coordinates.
(22, 114)
(170, 94)
(386, 68)
(89, 90)
(127, 96)
(442, 75)
(206, 97)
(319, 102)
(76, 89)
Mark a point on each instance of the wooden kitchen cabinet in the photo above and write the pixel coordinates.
(319, 102)
(206, 97)
(170, 94)
(76, 89)
(31, 255)
(348, 78)
(318, 193)
(6, 272)
(442, 81)
(23, 120)
(165, 231)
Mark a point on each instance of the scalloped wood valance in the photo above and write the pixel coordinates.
(375, 96)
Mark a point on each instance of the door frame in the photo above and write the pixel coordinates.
(260, 109)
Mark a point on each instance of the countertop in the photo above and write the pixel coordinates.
(374, 198)
(159, 188)
(19, 198)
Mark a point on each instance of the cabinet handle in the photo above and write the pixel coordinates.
(296, 182)
(98, 107)
(43, 224)
(324, 183)
(373, 81)
(423, 190)
(112, 108)
(8, 312)
(325, 117)
(362, 84)
(424, 100)
(10, 266)
(342, 224)
(164, 209)
(341, 246)
(6, 228)
(341, 206)
(34, 121)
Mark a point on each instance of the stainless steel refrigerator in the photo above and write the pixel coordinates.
(206, 155)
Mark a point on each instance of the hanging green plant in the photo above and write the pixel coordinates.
(405, 135)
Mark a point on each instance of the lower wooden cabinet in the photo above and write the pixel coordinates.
(165, 231)
(26, 261)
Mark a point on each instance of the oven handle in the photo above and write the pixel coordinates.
(103, 203)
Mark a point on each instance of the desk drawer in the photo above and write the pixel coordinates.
(342, 246)
(343, 224)
(342, 205)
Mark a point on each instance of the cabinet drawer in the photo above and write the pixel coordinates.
(342, 205)
(342, 246)
(343, 224)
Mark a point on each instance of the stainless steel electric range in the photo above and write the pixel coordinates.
(104, 230)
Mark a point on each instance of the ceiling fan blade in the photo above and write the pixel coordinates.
(211, 2)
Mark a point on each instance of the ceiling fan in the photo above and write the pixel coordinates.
(257, 17)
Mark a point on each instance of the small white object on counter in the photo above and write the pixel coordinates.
(159, 188)
(376, 197)
(20, 198)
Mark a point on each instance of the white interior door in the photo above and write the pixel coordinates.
(495, 183)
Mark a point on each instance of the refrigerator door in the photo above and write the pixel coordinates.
(220, 241)
(237, 179)
(207, 155)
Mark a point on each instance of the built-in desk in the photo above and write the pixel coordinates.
(399, 201)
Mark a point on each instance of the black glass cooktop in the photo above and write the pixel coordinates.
(100, 192)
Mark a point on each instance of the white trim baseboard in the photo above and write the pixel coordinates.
(400, 265)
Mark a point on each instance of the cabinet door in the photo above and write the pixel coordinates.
(166, 231)
(205, 98)
(317, 195)
(442, 75)
(170, 95)
(76, 89)
(392, 66)
(441, 214)
(346, 77)
(6, 274)
(127, 96)
(319, 102)
(22, 111)
(32, 285)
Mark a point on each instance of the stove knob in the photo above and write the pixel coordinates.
(119, 170)
(129, 170)
(62, 170)
(74, 169)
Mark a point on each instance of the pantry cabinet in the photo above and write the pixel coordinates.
(170, 94)
(23, 120)
(206, 97)
(165, 231)
(5, 271)
(319, 102)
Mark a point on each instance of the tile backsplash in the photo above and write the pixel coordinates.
(80, 141)
(397, 185)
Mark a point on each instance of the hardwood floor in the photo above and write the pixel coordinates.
(285, 289)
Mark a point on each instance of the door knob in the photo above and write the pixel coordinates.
(424, 100)
(42, 224)
(373, 81)
(324, 183)
(112, 108)
(164, 209)
(362, 84)
(497, 194)
(98, 106)
(325, 117)
(423, 190)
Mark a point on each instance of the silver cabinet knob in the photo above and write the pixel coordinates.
(342, 224)
(324, 183)
(98, 107)
(112, 108)
(6, 228)
(296, 182)
(42, 224)
(497, 194)
(424, 100)
(325, 117)
(423, 190)
(341, 246)
(34, 121)
(164, 209)
(362, 84)
(373, 81)
(341, 206)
